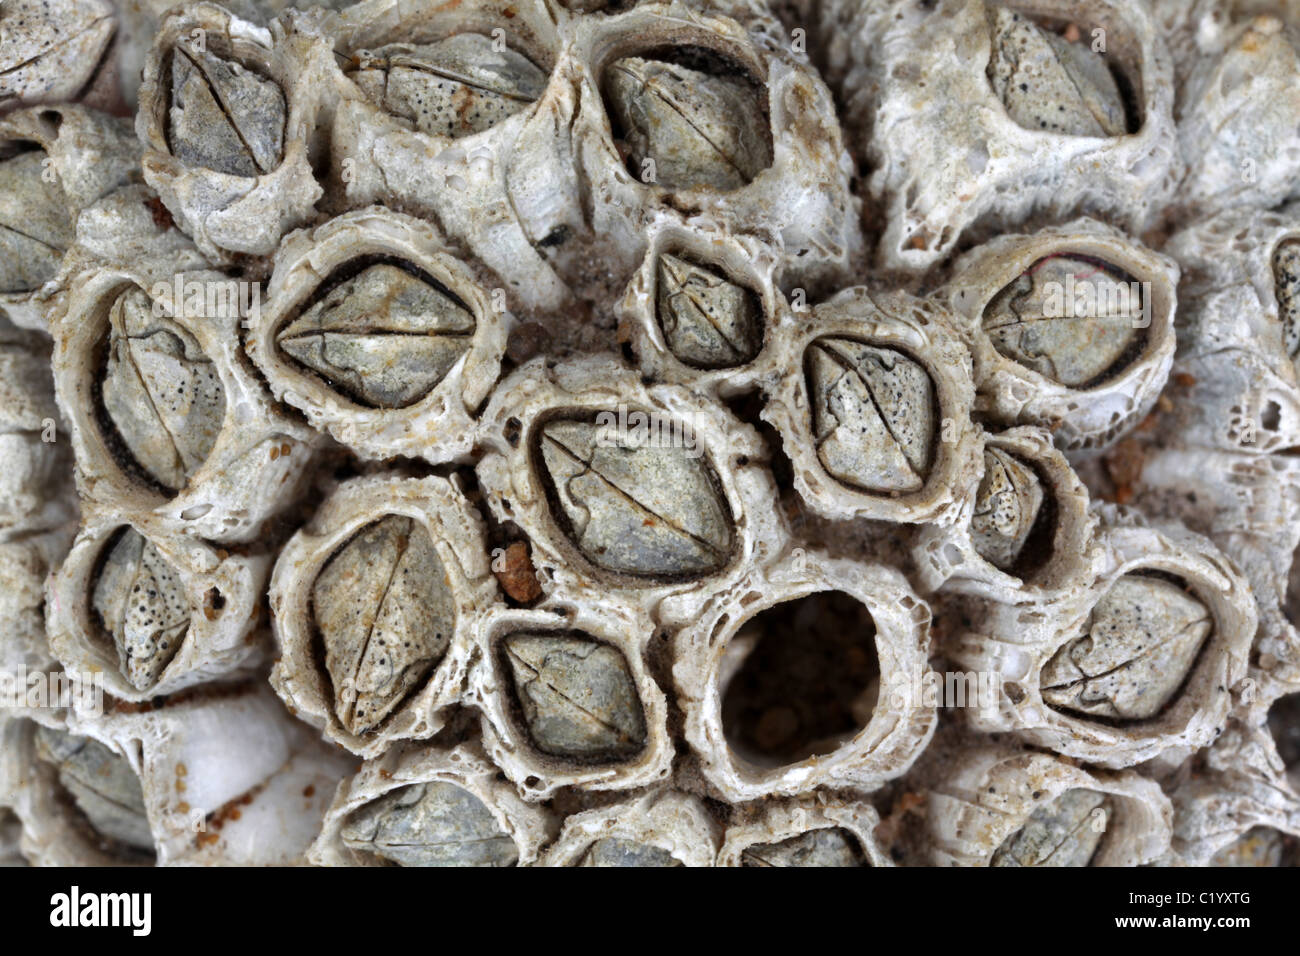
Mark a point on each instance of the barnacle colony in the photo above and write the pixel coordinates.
(546, 434)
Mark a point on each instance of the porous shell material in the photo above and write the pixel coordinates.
(917, 85)
(227, 214)
(220, 594)
(528, 826)
(990, 793)
(947, 558)
(1095, 414)
(438, 426)
(258, 459)
(1017, 642)
(674, 422)
(494, 687)
(900, 724)
(676, 823)
(456, 534)
(923, 333)
(774, 821)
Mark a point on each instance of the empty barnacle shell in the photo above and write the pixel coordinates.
(703, 127)
(1070, 318)
(874, 415)
(640, 508)
(1048, 82)
(35, 227)
(1142, 639)
(455, 87)
(430, 824)
(103, 786)
(385, 337)
(1286, 276)
(385, 617)
(1065, 832)
(141, 602)
(577, 696)
(617, 852)
(161, 393)
(827, 846)
(222, 115)
(708, 321)
(1007, 507)
(1284, 723)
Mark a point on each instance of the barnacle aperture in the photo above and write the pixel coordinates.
(1072, 319)
(385, 614)
(1258, 847)
(1140, 643)
(1066, 832)
(874, 415)
(455, 87)
(1286, 276)
(385, 337)
(1284, 723)
(223, 116)
(430, 824)
(639, 501)
(35, 227)
(1049, 82)
(160, 391)
(808, 682)
(708, 320)
(826, 846)
(104, 788)
(577, 696)
(1007, 508)
(699, 117)
(613, 851)
(141, 602)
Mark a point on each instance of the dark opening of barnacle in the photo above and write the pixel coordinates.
(1015, 519)
(1069, 830)
(688, 117)
(99, 793)
(159, 402)
(35, 227)
(1072, 318)
(1063, 76)
(384, 616)
(799, 679)
(1136, 653)
(1284, 724)
(708, 319)
(1286, 283)
(875, 415)
(141, 606)
(380, 331)
(574, 696)
(456, 86)
(827, 846)
(635, 493)
(222, 114)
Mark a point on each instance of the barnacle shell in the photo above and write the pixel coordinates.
(353, 370)
(332, 592)
(464, 803)
(802, 833)
(659, 828)
(568, 699)
(924, 80)
(992, 798)
(52, 50)
(153, 612)
(867, 434)
(1034, 368)
(885, 726)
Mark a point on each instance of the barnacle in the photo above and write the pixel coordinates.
(640, 441)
